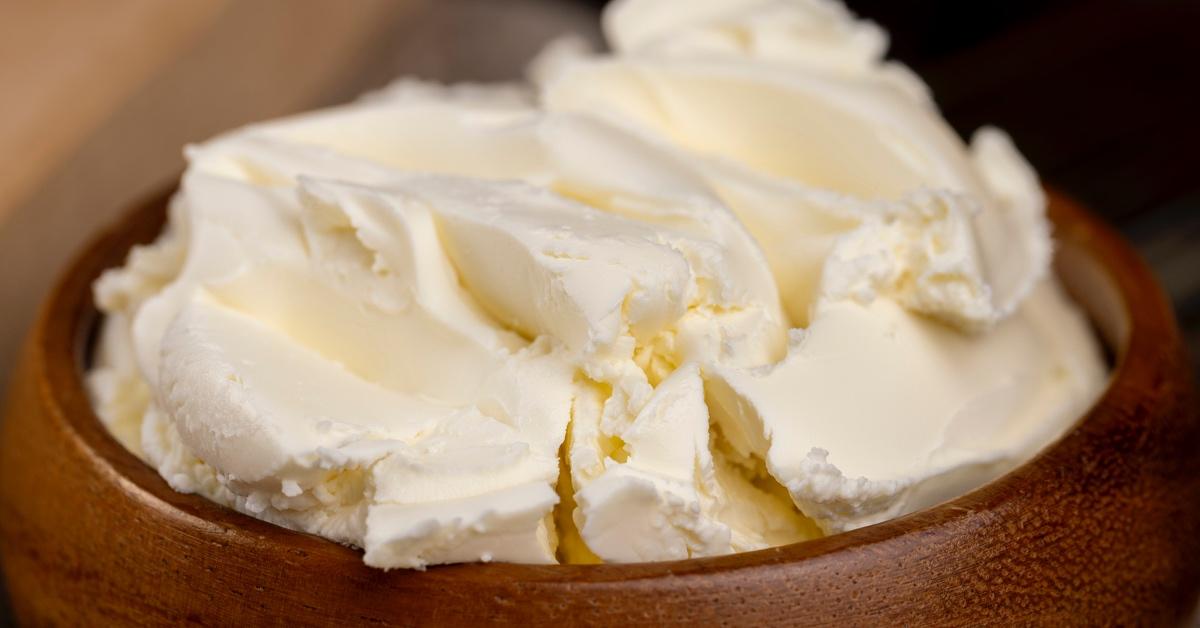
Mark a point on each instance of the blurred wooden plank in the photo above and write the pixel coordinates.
(67, 64)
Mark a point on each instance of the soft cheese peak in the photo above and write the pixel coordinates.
(732, 285)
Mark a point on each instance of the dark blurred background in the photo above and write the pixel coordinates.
(1101, 95)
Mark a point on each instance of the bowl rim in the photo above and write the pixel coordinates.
(66, 325)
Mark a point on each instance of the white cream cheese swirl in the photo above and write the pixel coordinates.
(733, 285)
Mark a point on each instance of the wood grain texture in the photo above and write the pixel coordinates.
(67, 65)
(1102, 528)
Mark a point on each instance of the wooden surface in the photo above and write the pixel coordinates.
(68, 65)
(1103, 528)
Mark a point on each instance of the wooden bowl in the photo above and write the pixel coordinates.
(1101, 528)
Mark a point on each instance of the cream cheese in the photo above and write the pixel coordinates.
(732, 285)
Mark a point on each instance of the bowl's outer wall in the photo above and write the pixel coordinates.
(1102, 528)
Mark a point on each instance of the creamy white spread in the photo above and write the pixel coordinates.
(731, 285)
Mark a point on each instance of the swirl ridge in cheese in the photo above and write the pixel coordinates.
(732, 285)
